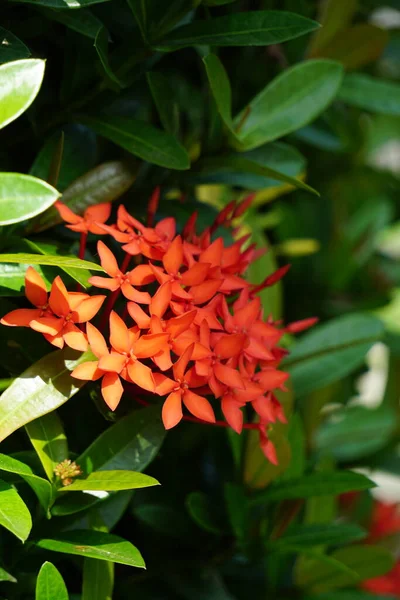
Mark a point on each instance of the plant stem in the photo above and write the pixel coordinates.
(82, 245)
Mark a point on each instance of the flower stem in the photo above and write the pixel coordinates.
(82, 245)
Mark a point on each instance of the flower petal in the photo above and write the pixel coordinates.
(141, 375)
(141, 275)
(230, 345)
(228, 376)
(199, 406)
(59, 300)
(111, 390)
(21, 317)
(149, 345)
(66, 213)
(172, 410)
(161, 299)
(96, 341)
(112, 363)
(107, 260)
(49, 325)
(178, 325)
(179, 367)
(35, 288)
(205, 291)
(119, 334)
(232, 412)
(105, 283)
(87, 371)
(88, 309)
(100, 212)
(196, 274)
(137, 313)
(164, 385)
(74, 337)
(213, 254)
(133, 294)
(173, 258)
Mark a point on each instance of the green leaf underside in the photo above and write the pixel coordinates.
(14, 514)
(20, 82)
(315, 484)
(53, 261)
(255, 28)
(94, 544)
(141, 139)
(50, 584)
(44, 386)
(49, 441)
(98, 580)
(23, 197)
(110, 481)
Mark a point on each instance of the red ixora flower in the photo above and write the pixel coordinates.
(184, 323)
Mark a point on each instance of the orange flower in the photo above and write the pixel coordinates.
(178, 390)
(91, 217)
(36, 292)
(119, 280)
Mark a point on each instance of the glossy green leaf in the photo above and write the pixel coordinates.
(98, 580)
(366, 562)
(14, 514)
(11, 48)
(231, 163)
(326, 534)
(79, 155)
(315, 484)
(40, 486)
(53, 261)
(331, 351)
(23, 197)
(253, 28)
(66, 4)
(220, 87)
(48, 438)
(370, 93)
(101, 45)
(111, 481)
(20, 82)
(82, 276)
(44, 386)
(165, 100)
(4, 576)
(105, 183)
(82, 21)
(141, 139)
(131, 443)
(293, 99)
(50, 584)
(94, 544)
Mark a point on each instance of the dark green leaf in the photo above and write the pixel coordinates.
(331, 351)
(315, 484)
(220, 87)
(11, 48)
(165, 101)
(53, 261)
(23, 197)
(111, 481)
(165, 520)
(101, 45)
(65, 4)
(50, 584)
(95, 544)
(314, 535)
(105, 183)
(83, 21)
(14, 514)
(44, 386)
(40, 486)
(201, 509)
(253, 28)
(141, 139)
(293, 99)
(369, 93)
(20, 83)
(237, 507)
(49, 440)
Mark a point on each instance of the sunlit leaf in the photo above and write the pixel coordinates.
(20, 81)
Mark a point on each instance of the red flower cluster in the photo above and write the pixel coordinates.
(192, 327)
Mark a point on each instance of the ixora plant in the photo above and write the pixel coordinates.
(156, 408)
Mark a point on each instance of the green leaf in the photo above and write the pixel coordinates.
(315, 484)
(11, 48)
(237, 507)
(165, 101)
(44, 386)
(141, 139)
(369, 93)
(40, 486)
(202, 511)
(331, 351)
(131, 443)
(23, 197)
(79, 155)
(227, 164)
(252, 28)
(166, 520)
(139, 10)
(111, 481)
(356, 432)
(326, 534)
(53, 261)
(82, 21)
(271, 297)
(98, 580)
(50, 584)
(101, 45)
(95, 544)
(49, 440)
(220, 87)
(4, 576)
(20, 82)
(14, 514)
(12, 279)
(82, 276)
(334, 17)
(293, 99)
(66, 4)
(366, 561)
(105, 183)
